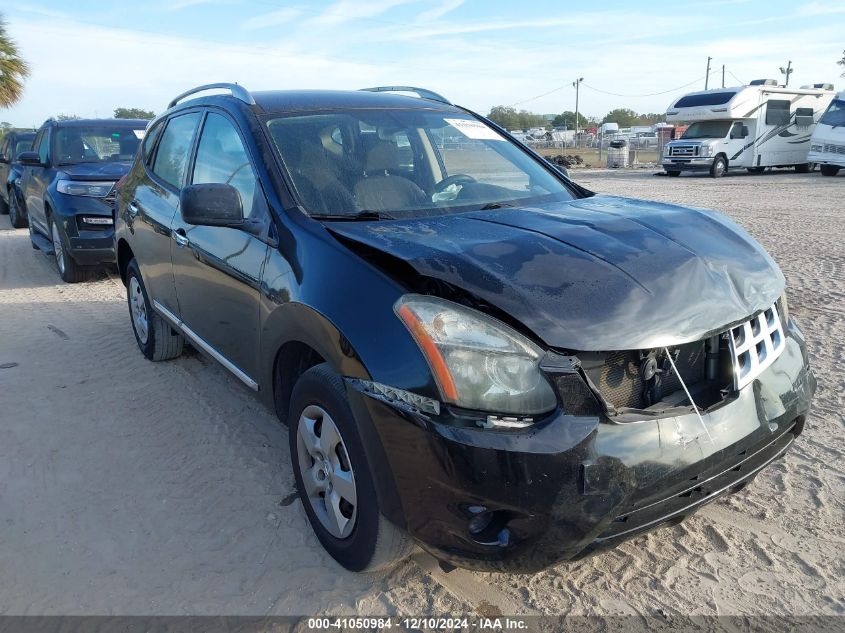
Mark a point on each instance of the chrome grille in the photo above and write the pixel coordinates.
(832, 148)
(755, 345)
(683, 150)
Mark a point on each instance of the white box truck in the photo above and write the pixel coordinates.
(827, 145)
(752, 127)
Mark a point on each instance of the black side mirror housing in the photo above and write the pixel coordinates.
(211, 204)
(29, 158)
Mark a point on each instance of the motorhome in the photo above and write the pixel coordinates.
(752, 127)
(827, 145)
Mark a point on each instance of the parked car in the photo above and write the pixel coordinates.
(471, 352)
(67, 185)
(13, 143)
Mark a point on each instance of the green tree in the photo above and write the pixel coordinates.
(133, 113)
(511, 119)
(841, 62)
(13, 69)
(625, 117)
(567, 118)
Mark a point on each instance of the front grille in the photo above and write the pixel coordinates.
(755, 345)
(620, 383)
(832, 148)
(684, 150)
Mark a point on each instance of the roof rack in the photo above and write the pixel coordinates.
(239, 92)
(421, 92)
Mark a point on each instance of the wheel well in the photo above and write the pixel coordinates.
(124, 256)
(293, 359)
(725, 156)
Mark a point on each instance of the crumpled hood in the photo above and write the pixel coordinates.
(594, 274)
(114, 170)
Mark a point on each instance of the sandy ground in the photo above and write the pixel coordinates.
(128, 487)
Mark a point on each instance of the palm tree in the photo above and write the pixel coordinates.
(13, 69)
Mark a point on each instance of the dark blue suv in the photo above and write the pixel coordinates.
(471, 352)
(67, 185)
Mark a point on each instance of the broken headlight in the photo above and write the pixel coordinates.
(478, 362)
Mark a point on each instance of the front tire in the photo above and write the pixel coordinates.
(719, 167)
(69, 270)
(333, 476)
(17, 218)
(156, 339)
(829, 170)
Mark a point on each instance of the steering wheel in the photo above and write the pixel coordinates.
(454, 179)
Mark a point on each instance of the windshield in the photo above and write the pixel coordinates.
(94, 144)
(23, 144)
(406, 163)
(707, 129)
(835, 114)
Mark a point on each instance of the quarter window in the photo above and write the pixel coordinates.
(150, 140)
(172, 155)
(222, 158)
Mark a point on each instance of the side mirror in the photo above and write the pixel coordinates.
(29, 158)
(3, 158)
(211, 204)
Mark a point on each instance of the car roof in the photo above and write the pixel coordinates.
(134, 123)
(277, 101)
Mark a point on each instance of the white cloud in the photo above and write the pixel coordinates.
(273, 18)
(350, 10)
(437, 12)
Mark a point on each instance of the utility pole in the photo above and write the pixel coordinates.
(577, 85)
(787, 71)
(723, 75)
(707, 78)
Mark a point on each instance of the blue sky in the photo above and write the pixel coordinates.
(88, 57)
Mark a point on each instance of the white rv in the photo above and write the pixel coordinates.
(753, 127)
(827, 145)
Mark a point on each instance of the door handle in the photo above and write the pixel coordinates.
(180, 238)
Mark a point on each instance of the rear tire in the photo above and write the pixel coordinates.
(674, 174)
(802, 168)
(366, 541)
(69, 270)
(719, 167)
(156, 339)
(829, 170)
(17, 218)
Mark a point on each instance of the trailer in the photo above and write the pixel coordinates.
(827, 145)
(745, 127)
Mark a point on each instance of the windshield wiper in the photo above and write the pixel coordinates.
(366, 214)
(495, 205)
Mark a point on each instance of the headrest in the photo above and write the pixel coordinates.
(383, 156)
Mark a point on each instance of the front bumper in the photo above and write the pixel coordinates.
(826, 158)
(687, 164)
(572, 485)
(89, 245)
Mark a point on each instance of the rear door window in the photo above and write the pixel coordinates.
(171, 158)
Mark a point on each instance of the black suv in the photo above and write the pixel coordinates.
(13, 143)
(67, 185)
(471, 352)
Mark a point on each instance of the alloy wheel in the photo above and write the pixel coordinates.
(327, 474)
(139, 310)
